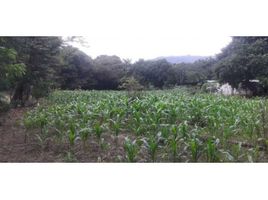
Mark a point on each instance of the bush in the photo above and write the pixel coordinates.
(131, 84)
(41, 90)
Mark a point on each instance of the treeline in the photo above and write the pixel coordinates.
(32, 66)
(109, 72)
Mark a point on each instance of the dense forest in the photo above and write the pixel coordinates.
(33, 66)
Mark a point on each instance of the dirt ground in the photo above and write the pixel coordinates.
(17, 146)
(13, 144)
(20, 145)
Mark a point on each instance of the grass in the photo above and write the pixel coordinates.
(167, 126)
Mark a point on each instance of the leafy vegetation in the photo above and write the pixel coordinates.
(159, 126)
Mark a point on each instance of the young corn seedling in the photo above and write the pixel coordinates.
(71, 135)
(263, 111)
(84, 133)
(212, 155)
(183, 129)
(195, 149)
(98, 130)
(42, 140)
(43, 120)
(116, 129)
(165, 132)
(172, 115)
(151, 143)
(131, 150)
(173, 142)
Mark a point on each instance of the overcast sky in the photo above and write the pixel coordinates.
(152, 47)
(147, 29)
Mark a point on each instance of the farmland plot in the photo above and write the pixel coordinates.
(152, 126)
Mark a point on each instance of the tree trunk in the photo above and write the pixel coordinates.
(17, 98)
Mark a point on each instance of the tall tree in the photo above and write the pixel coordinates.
(10, 70)
(151, 72)
(246, 58)
(108, 72)
(39, 55)
(77, 69)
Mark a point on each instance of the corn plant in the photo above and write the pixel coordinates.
(212, 155)
(72, 134)
(98, 130)
(176, 120)
(84, 133)
(152, 144)
(263, 111)
(183, 129)
(195, 149)
(131, 150)
(173, 142)
(115, 127)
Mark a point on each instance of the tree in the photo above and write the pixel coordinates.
(10, 70)
(108, 72)
(244, 59)
(39, 55)
(130, 84)
(77, 69)
(192, 73)
(151, 72)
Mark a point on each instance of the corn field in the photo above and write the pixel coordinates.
(152, 126)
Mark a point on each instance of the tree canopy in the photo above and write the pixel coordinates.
(244, 59)
(39, 58)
